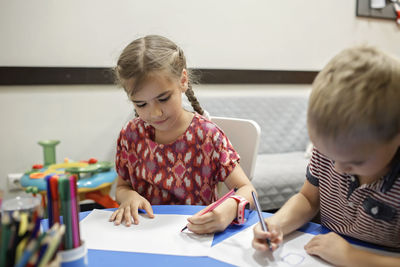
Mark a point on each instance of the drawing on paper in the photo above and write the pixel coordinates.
(293, 259)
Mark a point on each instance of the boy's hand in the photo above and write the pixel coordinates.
(274, 234)
(214, 221)
(129, 208)
(330, 247)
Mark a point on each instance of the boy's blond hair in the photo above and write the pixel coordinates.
(357, 95)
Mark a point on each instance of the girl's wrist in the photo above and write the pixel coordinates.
(231, 205)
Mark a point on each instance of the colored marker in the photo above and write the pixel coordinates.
(74, 212)
(260, 217)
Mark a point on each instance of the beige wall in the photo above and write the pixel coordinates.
(239, 34)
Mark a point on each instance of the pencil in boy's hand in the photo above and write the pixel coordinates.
(260, 217)
(216, 204)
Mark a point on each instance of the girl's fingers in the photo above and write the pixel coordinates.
(201, 219)
(135, 214)
(201, 228)
(118, 217)
(127, 216)
(149, 210)
(112, 217)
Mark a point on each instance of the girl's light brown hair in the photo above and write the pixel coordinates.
(357, 95)
(150, 54)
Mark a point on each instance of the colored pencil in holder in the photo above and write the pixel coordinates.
(5, 237)
(49, 201)
(55, 198)
(52, 246)
(64, 190)
(74, 212)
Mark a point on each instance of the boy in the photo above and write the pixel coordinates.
(353, 179)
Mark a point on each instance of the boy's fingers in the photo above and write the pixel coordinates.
(258, 233)
(259, 245)
(274, 246)
(273, 235)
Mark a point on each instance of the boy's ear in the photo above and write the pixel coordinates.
(184, 80)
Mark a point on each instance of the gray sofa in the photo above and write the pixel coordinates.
(281, 161)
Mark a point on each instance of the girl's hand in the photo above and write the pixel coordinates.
(129, 208)
(330, 247)
(274, 234)
(213, 221)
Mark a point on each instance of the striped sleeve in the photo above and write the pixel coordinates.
(312, 169)
(311, 178)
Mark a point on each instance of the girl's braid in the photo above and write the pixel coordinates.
(193, 100)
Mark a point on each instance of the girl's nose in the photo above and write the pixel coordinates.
(156, 112)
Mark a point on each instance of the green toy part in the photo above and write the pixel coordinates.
(87, 169)
(49, 151)
(103, 166)
(32, 189)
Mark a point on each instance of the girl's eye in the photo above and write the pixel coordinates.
(140, 105)
(164, 99)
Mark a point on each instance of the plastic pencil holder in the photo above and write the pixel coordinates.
(76, 257)
(21, 203)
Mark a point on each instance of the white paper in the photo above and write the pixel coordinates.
(237, 250)
(160, 235)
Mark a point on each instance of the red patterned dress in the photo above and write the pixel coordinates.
(185, 172)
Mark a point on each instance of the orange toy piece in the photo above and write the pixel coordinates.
(37, 175)
(103, 199)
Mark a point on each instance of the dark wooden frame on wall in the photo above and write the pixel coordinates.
(78, 75)
(364, 9)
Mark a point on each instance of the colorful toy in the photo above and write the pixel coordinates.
(94, 178)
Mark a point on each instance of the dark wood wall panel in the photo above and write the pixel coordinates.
(71, 75)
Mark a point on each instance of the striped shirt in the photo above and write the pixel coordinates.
(370, 212)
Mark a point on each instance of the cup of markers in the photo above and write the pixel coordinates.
(76, 257)
(63, 200)
(22, 244)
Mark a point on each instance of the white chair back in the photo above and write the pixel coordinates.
(245, 138)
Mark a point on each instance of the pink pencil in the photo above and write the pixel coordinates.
(74, 212)
(216, 203)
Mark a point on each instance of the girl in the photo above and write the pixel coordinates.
(168, 155)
